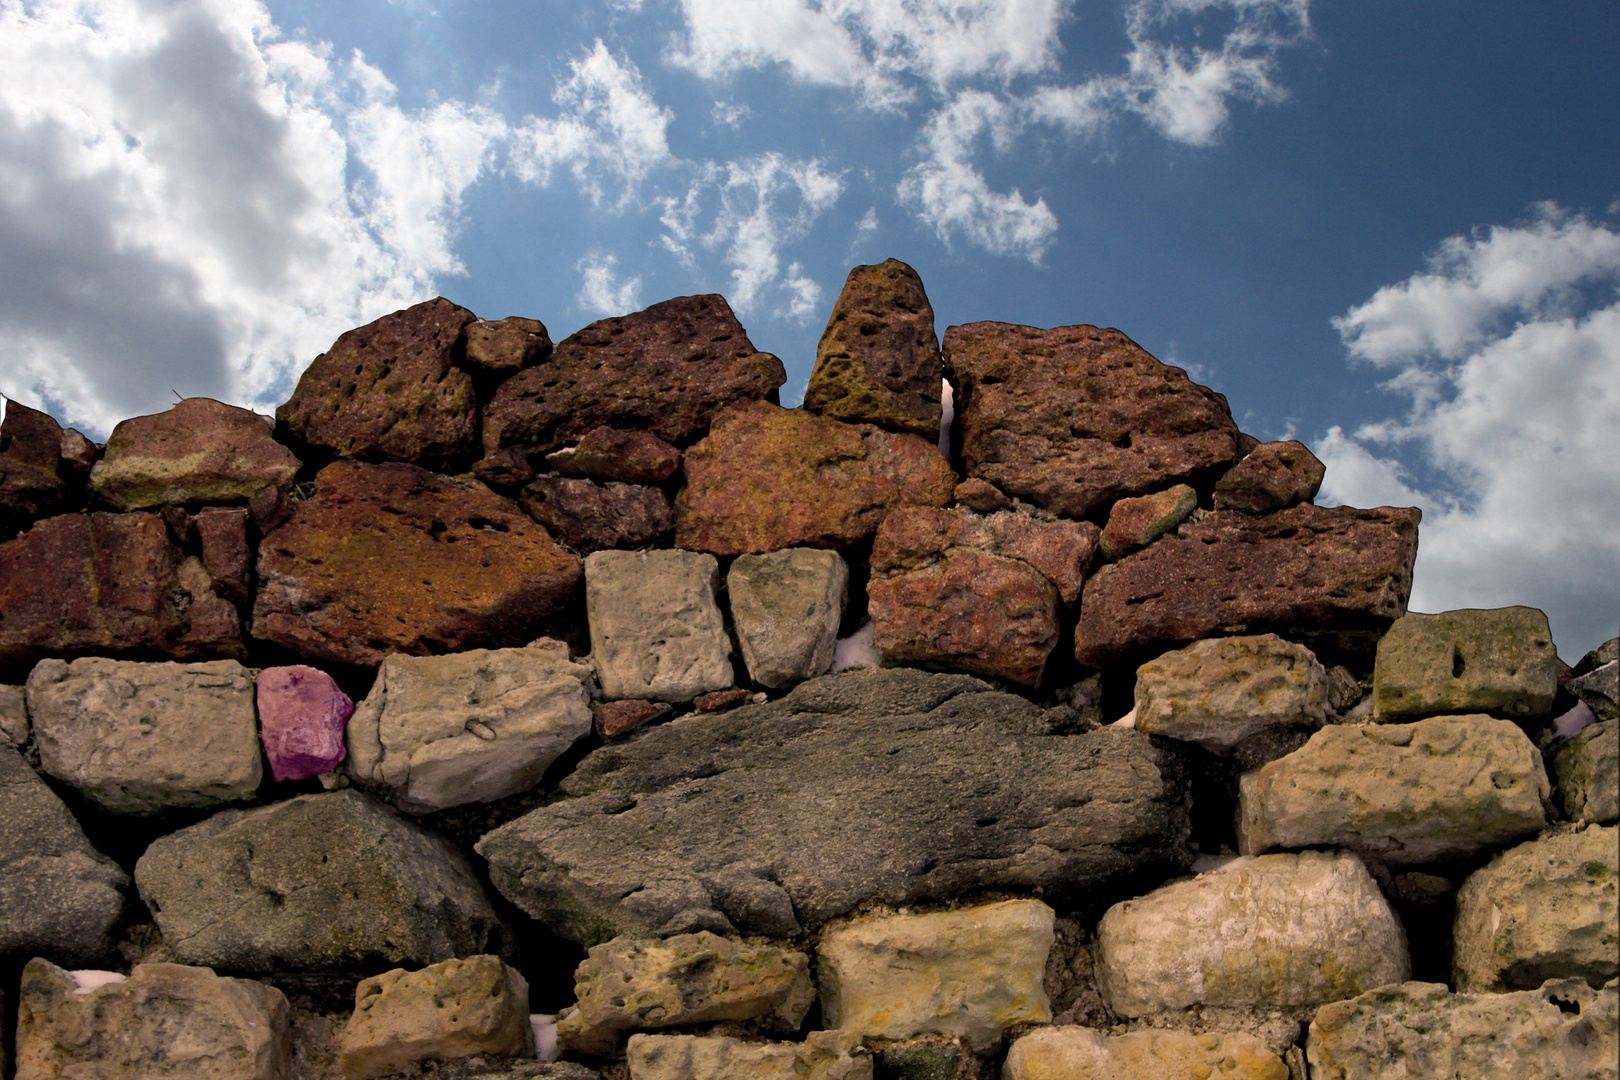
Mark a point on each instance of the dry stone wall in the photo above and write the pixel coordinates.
(505, 709)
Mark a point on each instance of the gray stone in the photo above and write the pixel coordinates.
(1405, 793)
(326, 882)
(59, 896)
(1219, 692)
(1546, 909)
(924, 1061)
(138, 738)
(1499, 661)
(1600, 689)
(786, 606)
(1588, 771)
(656, 628)
(1563, 1031)
(894, 785)
(475, 726)
(824, 1055)
(1313, 928)
(14, 715)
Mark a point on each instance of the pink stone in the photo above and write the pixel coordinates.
(302, 715)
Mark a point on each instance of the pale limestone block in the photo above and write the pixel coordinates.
(442, 1013)
(692, 979)
(1219, 692)
(786, 606)
(1078, 1053)
(1499, 661)
(1587, 768)
(656, 627)
(824, 1055)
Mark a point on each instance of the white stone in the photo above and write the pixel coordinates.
(1217, 693)
(656, 628)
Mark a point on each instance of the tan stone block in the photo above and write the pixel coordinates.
(1078, 1053)
(692, 979)
(824, 1055)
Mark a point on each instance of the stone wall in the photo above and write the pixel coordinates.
(510, 709)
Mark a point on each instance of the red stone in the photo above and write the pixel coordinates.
(596, 517)
(915, 537)
(226, 553)
(1272, 476)
(720, 700)
(200, 453)
(32, 481)
(617, 717)
(980, 496)
(501, 349)
(1136, 523)
(631, 457)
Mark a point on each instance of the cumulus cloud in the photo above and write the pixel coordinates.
(602, 291)
(1507, 351)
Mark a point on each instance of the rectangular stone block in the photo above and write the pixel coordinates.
(1500, 661)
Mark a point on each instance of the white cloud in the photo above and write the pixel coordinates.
(1508, 350)
(602, 291)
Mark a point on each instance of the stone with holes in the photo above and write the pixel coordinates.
(1499, 661)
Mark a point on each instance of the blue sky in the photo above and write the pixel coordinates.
(1390, 229)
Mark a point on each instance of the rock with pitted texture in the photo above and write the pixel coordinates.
(393, 558)
(391, 390)
(1079, 1053)
(656, 627)
(1272, 476)
(302, 719)
(1137, 522)
(1074, 418)
(588, 516)
(499, 349)
(831, 483)
(1303, 569)
(824, 1055)
(34, 480)
(630, 457)
(878, 360)
(1219, 692)
(786, 606)
(1587, 768)
(200, 453)
(915, 538)
(667, 370)
(448, 1011)
(1499, 661)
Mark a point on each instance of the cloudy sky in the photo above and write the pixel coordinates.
(1389, 229)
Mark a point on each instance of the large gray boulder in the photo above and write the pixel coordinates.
(327, 882)
(895, 785)
(138, 738)
(1219, 692)
(1587, 768)
(1499, 661)
(786, 606)
(656, 627)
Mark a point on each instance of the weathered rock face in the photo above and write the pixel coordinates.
(59, 896)
(113, 584)
(1272, 476)
(33, 479)
(499, 349)
(138, 738)
(596, 517)
(972, 973)
(475, 726)
(445, 1012)
(1314, 928)
(227, 556)
(392, 558)
(390, 391)
(824, 1055)
(1500, 662)
(329, 882)
(607, 454)
(1588, 770)
(200, 453)
(1078, 1053)
(1219, 692)
(914, 538)
(164, 1020)
(1563, 1031)
(13, 715)
(787, 606)
(1406, 793)
(1600, 690)
(656, 627)
(1304, 568)
(1547, 909)
(878, 361)
(832, 483)
(1137, 522)
(302, 719)
(926, 787)
(1076, 417)
(668, 370)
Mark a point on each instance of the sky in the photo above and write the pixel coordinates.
(1388, 229)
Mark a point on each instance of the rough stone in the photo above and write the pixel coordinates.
(1078, 1053)
(617, 717)
(1272, 476)
(302, 719)
(913, 538)
(1588, 772)
(980, 496)
(474, 726)
(1500, 661)
(878, 360)
(787, 606)
(1076, 417)
(588, 516)
(972, 973)
(606, 454)
(33, 478)
(392, 558)
(451, 1010)
(1600, 690)
(1405, 793)
(1219, 692)
(721, 699)
(501, 349)
(227, 555)
(164, 1020)
(200, 453)
(668, 370)
(656, 627)
(700, 978)
(824, 1055)
(832, 483)
(13, 715)
(924, 1061)
(113, 585)
(1137, 522)
(1546, 909)
(390, 391)
(327, 882)
(138, 738)
(1304, 568)
(954, 787)
(1563, 1031)
(59, 896)
(1313, 926)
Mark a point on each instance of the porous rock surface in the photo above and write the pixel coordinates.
(787, 606)
(450, 1010)
(34, 480)
(1137, 522)
(201, 452)
(925, 786)
(824, 1055)
(1079, 1053)
(499, 349)
(656, 627)
(1499, 661)
(607, 454)
(1272, 476)
(588, 516)
(1588, 772)
(1221, 691)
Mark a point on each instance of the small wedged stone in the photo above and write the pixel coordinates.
(824, 1055)
(1404, 793)
(656, 627)
(617, 717)
(607, 454)
(588, 516)
(1219, 692)
(787, 606)
(980, 496)
(1600, 690)
(628, 984)
(499, 349)
(1136, 522)
(302, 719)
(1499, 661)
(13, 715)
(34, 480)
(227, 553)
(200, 453)
(1080, 1053)
(1587, 768)
(1272, 476)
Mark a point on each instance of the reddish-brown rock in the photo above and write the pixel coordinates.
(878, 360)
(617, 717)
(1272, 476)
(1136, 523)
(201, 452)
(32, 480)
(981, 496)
(501, 349)
(227, 554)
(769, 478)
(392, 558)
(721, 700)
(596, 517)
(914, 539)
(630, 457)
(1305, 568)
(667, 370)
(390, 391)
(1076, 417)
